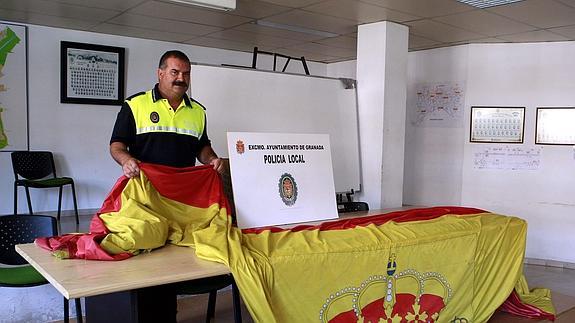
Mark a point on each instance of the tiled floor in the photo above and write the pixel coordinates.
(561, 281)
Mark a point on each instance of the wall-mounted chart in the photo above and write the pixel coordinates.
(439, 105)
(506, 157)
(554, 126)
(13, 89)
(497, 124)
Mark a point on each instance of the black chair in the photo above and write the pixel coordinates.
(18, 229)
(211, 285)
(36, 169)
(344, 207)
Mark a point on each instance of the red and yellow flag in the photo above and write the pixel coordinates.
(442, 264)
(162, 205)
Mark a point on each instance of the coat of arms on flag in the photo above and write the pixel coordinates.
(406, 296)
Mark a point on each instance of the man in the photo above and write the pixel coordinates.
(162, 126)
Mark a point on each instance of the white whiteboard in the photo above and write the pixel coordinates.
(245, 100)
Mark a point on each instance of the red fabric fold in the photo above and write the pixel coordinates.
(514, 305)
(377, 219)
(168, 181)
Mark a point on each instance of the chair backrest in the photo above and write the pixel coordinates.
(17, 229)
(343, 207)
(33, 164)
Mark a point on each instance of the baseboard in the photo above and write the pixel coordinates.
(549, 263)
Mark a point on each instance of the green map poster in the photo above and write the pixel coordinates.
(13, 89)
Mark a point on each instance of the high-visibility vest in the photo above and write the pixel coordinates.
(153, 116)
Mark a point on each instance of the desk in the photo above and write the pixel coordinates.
(104, 283)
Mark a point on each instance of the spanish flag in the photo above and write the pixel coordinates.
(163, 205)
(441, 264)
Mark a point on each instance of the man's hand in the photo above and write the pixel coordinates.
(207, 156)
(119, 152)
(130, 167)
(218, 165)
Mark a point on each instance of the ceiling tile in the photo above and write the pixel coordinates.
(105, 4)
(486, 40)
(423, 8)
(314, 21)
(341, 41)
(533, 36)
(257, 9)
(146, 22)
(539, 13)
(440, 32)
(51, 8)
(323, 49)
(568, 2)
(293, 3)
(282, 33)
(359, 12)
(255, 39)
(417, 41)
(489, 40)
(309, 56)
(136, 32)
(185, 13)
(485, 23)
(221, 43)
(567, 31)
(44, 20)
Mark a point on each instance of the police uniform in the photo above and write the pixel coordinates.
(156, 133)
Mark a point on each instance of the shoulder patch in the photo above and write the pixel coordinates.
(135, 95)
(198, 103)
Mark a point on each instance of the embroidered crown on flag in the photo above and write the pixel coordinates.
(406, 296)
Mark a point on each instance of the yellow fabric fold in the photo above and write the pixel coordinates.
(148, 220)
(471, 263)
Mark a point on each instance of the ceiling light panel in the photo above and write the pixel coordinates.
(482, 4)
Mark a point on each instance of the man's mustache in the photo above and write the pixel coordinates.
(180, 83)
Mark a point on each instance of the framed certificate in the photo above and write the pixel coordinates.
(91, 74)
(497, 124)
(554, 126)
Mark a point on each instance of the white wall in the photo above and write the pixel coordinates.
(433, 155)
(529, 75)
(439, 161)
(78, 135)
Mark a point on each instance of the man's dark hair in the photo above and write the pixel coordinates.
(172, 53)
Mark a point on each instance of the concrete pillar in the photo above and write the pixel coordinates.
(381, 88)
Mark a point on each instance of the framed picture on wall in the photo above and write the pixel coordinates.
(497, 124)
(91, 74)
(555, 126)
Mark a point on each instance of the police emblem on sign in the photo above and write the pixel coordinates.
(240, 148)
(154, 117)
(287, 189)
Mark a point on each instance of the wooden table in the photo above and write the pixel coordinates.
(111, 287)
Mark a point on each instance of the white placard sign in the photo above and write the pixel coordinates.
(281, 178)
